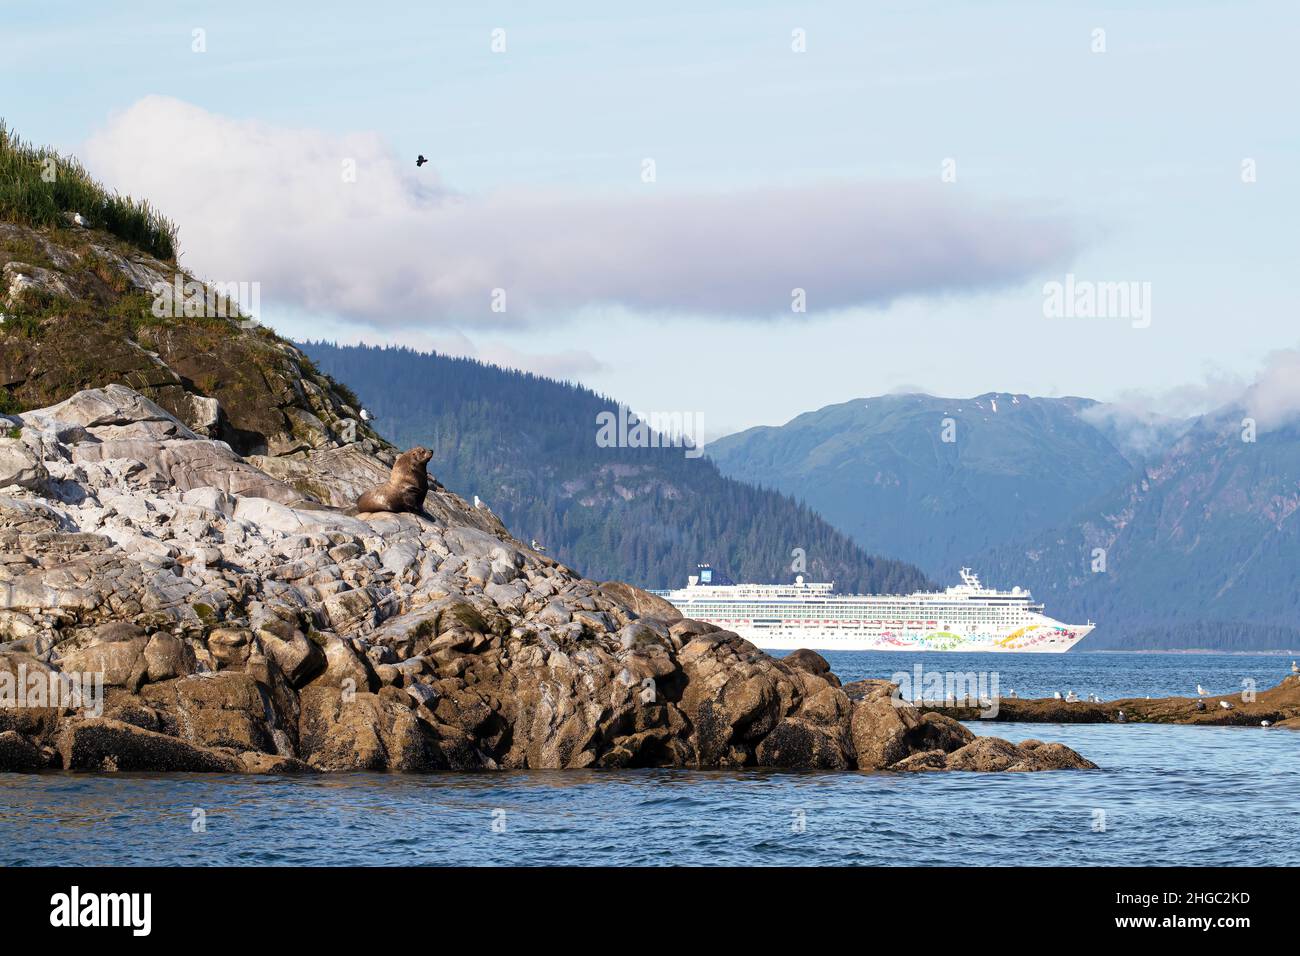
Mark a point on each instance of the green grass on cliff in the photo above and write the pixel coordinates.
(38, 187)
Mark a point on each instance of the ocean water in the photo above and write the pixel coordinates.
(1109, 676)
(1165, 795)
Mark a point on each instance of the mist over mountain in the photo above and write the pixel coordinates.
(526, 445)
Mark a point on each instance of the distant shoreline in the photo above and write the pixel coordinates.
(1197, 650)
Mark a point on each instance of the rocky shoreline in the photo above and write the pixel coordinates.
(1275, 707)
(240, 621)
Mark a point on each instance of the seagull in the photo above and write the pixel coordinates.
(420, 161)
(478, 502)
(1120, 716)
(536, 546)
(366, 416)
(1200, 705)
(1071, 698)
(1295, 668)
(1056, 695)
(1266, 723)
(1012, 693)
(1225, 705)
(1201, 691)
(81, 220)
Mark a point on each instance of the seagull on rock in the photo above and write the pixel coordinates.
(1201, 691)
(1056, 695)
(366, 416)
(1295, 668)
(1071, 698)
(1225, 705)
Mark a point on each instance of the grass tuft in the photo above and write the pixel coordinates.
(38, 187)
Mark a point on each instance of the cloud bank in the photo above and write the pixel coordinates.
(396, 247)
(1145, 422)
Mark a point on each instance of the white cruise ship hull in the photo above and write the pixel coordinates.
(964, 618)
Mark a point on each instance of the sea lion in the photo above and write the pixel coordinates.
(406, 487)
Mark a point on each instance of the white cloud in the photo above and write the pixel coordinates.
(268, 204)
(1274, 399)
(1146, 422)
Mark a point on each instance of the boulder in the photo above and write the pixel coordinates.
(734, 696)
(880, 732)
(103, 745)
(642, 603)
(18, 755)
(812, 663)
(115, 649)
(361, 732)
(113, 412)
(20, 466)
(799, 745)
(218, 710)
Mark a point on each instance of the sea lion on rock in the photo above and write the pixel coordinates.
(406, 487)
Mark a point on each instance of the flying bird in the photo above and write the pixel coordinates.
(420, 161)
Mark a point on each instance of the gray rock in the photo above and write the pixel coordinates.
(20, 466)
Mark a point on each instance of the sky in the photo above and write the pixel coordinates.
(741, 211)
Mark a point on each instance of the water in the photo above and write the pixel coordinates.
(1109, 676)
(1165, 795)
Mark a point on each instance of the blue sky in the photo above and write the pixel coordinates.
(1127, 162)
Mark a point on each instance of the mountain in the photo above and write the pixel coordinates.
(526, 445)
(1202, 549)
(1196, 526)
(880, 470)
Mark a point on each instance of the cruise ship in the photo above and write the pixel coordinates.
(964, 617)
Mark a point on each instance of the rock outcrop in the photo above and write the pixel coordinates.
(1277, 706)
(240, 621)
